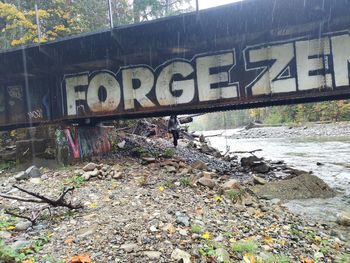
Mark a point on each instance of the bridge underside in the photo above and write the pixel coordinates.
(249, 54)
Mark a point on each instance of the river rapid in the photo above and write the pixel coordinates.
(327, 156)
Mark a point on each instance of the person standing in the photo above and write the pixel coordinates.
(173, 128)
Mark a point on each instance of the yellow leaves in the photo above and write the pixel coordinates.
(93, 204)
(21, 27)
(59, 28)
(268, 239)
(248, 258)
(206, 236)
(28, 261)
(306, 260)
(10, 227)
(170, 228)
(317, 239)
(80, 259)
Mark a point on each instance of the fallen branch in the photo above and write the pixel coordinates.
(250, 152)
(34, 216)
(60, 201)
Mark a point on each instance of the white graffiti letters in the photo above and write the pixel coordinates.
(300, 66)
(310, 58)
(341, 59)
(171, 84)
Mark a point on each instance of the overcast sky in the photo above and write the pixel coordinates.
(203, 4)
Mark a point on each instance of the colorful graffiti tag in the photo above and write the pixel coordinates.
(85, 141)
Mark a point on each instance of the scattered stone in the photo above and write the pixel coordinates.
(121, 145)
(20, 244)
(169, 228)
(153, 229)
(21, 176)
(222, 255)
(259, 180)
(149, 159)
(129, 247)
(23, 225)
(249, 161)
(153, 254)
(343, 218)
(179, 254)
(207, 182)
(182, 219)
(199, 165)
(89, 167)
(33, 172)
(5, 235)
(183, 232)
(36, 180)
(231, 184)
(261, 168)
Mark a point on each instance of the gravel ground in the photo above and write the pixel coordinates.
(330, 129)
(159, 211)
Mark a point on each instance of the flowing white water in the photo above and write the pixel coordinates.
(304, 153)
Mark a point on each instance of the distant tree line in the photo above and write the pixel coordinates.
(290, 114)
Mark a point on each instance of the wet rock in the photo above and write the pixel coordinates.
(129, 247)
(231, 184)
(199, 165)
(222, 255)
(23, 225)
(33, 172)
(149, 159)
(261, 168)
(259, 180)
(90, 167)
(249, 161)
(343, 218)
(21, 176)
(153, 254)
(35, 181)
(20, 244)
(207, 182)
(121, 145)
(182, 219)
(179, 254)
(5, 235)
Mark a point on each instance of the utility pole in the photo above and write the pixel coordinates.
(37, 21)
(110, 14)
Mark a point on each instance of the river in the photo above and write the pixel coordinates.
(333, 153)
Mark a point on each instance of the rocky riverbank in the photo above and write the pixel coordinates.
(291, 131)
(149, 203)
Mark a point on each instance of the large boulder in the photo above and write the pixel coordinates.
(207, 182)
(33, 172)
(343, 218)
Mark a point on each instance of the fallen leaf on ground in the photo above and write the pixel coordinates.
(306, 260)
(199, 211)
(80, 259)
(268, 239)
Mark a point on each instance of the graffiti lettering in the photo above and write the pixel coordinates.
(15, 92)
(299, 65)
(36, 114)
(173, 83)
